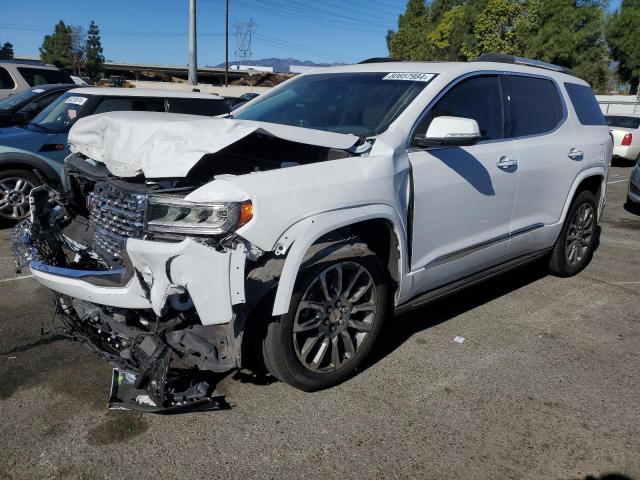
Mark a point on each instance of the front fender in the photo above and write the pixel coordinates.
(297, 240)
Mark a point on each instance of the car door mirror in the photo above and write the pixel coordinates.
(449, 131)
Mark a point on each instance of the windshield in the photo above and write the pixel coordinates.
(19, 98)
(62, 113)
(362, 104)
(622, 121)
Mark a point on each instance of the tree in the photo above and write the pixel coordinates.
(622, 35)
(445, 41)
(409, 42)
(6, 51)
(77, 54)
(93, 53)
(571, 33)
(57, 48)
(504, 26)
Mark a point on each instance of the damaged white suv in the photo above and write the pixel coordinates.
(289, 231)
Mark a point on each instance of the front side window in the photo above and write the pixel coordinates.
(622, 121)
(120, 104)
(362, 104)
(198, 106)
(585, 104)
(6, 82)
(479, 98)
(41, 76)
(535, 105)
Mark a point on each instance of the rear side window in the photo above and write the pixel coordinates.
(622, 121)
(535, 105)
(6, 82)
(119, 104)
(479, 98)
(198, 106)
(40, 76)
(585, 104)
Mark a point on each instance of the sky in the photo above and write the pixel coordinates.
(155, 31)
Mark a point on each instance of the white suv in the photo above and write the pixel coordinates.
(290, 230)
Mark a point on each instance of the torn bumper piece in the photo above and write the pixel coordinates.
(163, 270)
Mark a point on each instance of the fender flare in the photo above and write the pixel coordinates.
(589, 172)
(32, 162)
(297, 240)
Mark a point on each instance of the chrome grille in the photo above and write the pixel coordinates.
(115, 216)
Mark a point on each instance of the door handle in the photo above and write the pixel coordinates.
(506, 162)
(575, 154)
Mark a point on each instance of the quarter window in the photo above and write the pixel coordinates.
(479, 98)
(585, 104)
(6, 82)
(535, 105)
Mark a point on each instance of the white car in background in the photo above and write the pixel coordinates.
(625, 130)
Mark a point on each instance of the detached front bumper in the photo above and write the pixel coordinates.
(159, 275)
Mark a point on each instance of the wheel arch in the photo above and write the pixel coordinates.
(593, 180)
(377, 225)
(25, 161)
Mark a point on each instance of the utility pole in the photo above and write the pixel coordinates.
(193, 55)
(226, 47)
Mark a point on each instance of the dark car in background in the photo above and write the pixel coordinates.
(20, 108)
(35, 153)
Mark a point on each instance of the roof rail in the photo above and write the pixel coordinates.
(512, 59)
(377, 60)
(29, 61)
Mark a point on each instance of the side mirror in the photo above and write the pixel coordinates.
(449, 131)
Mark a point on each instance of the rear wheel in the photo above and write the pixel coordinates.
(15, 186)
(574, 248)
(335, 315)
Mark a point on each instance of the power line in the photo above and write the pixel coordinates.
(120, 33)
(309, 10)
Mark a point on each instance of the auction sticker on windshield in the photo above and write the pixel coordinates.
(412, 77)
(76, 100)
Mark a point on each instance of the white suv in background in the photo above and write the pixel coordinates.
(290, 230)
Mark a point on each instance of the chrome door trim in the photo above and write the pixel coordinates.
(458, 254)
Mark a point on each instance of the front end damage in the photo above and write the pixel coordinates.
(167, 311)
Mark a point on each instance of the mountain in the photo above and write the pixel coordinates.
(282, 64)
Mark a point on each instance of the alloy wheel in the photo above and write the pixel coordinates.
(14, 197)
(335, 317)
(580, 235)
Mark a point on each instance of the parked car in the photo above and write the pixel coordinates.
(18, 75)
(20, 108)
(292, 230)
(633, 194)
(625, 130)
(36, 151)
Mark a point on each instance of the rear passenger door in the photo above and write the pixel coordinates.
(538, 123)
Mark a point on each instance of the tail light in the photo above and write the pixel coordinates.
(626, 141)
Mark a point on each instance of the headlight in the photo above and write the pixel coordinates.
(169, 214)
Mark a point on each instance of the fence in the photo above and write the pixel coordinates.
(619, 104)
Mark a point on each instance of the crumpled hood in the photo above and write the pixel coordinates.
(161, 145)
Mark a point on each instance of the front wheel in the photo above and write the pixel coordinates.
(335, 315)
(574, 247)
(15, 186)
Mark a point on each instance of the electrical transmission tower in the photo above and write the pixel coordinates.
(244, 33)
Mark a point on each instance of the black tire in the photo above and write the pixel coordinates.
(280, 353)
(7, 180)
(560, 263)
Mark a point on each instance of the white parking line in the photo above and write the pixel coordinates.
(17, 278)
(616, 181)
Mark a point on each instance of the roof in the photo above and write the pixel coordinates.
(455, 68)
(143, 92)
(53, 86)
(29, 63)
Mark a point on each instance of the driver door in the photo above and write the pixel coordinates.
(463, 197)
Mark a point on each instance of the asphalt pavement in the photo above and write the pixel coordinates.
(544, 385)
